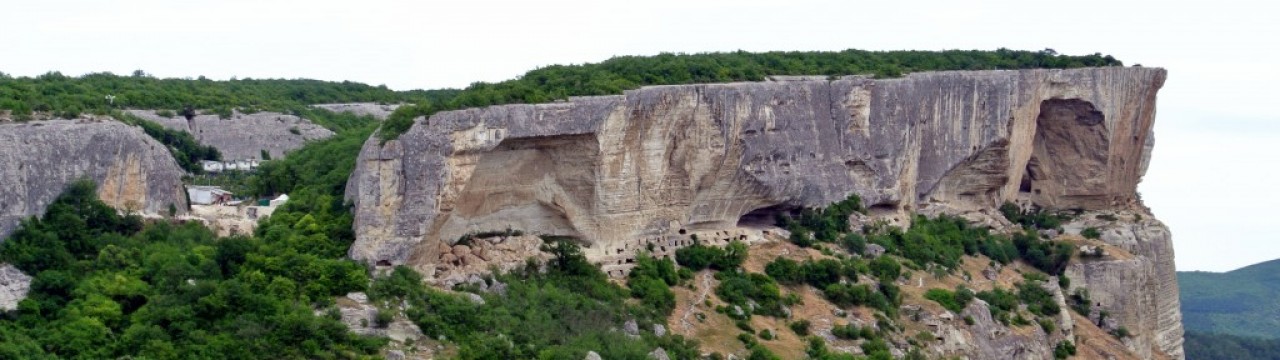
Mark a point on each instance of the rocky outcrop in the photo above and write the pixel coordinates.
(13, 287)
(378, 111)
(654, 167)
(464, 263)
(987, 338)
(39, 159)
(244, 136)
(1137, 285)
(360, 315)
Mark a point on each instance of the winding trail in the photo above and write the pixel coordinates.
(704, 290)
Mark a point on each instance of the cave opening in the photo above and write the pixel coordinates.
(766, 217)
(1070, 153)
(1030, 175)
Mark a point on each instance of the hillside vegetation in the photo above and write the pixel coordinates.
(1209, 346)
(1239, 302)
(113, 286)
(69, 96)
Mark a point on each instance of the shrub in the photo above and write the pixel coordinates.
(1121, 332)
(800, 327)
(1039, 301)
(1091, 233)
(955, 301)
(854, 243)
(799, 236)
(1063, 350)
(1000, 303)
(1047, 325)
(821, 273)
(1080, 302)
(845, 295)
(383, 319)
(737, 288)
(785, 271)
(886, 268)
(847, 332)
(943, 297)
(698, 256)
(1032, 218)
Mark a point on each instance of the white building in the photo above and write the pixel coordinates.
(207, 195)
(220, 166)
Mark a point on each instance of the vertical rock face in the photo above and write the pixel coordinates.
(1140, 290)
(38, 159)
(656, 165)
(245, 136)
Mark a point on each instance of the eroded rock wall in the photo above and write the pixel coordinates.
(1139, 291)
(650, 168)
(39, 159)
(245, 136)
(659, 160)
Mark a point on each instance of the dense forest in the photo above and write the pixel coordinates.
(615, 75)
(109, 285)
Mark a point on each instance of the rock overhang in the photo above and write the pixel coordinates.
(612, 169)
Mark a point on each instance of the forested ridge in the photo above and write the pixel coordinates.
(1210, 346)
(109, 285)
(1239, 302)
(99, 93)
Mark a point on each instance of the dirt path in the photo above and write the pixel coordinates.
(704, 290)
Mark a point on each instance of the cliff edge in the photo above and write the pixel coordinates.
(652, 167)
(39, 159)
(244, 136)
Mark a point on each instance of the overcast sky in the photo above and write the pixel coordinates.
(1212, 179)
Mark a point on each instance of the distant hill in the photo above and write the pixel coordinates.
(1244, 302)
(1205, 346)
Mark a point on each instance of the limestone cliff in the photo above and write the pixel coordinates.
(1135, 282)
(14, 286)
(38, 159)
(244, 136)
(378, 111)
(656, 165)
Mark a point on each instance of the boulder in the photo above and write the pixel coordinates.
(14, 286)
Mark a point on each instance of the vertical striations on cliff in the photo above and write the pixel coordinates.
(656, 165)
(39, 159)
